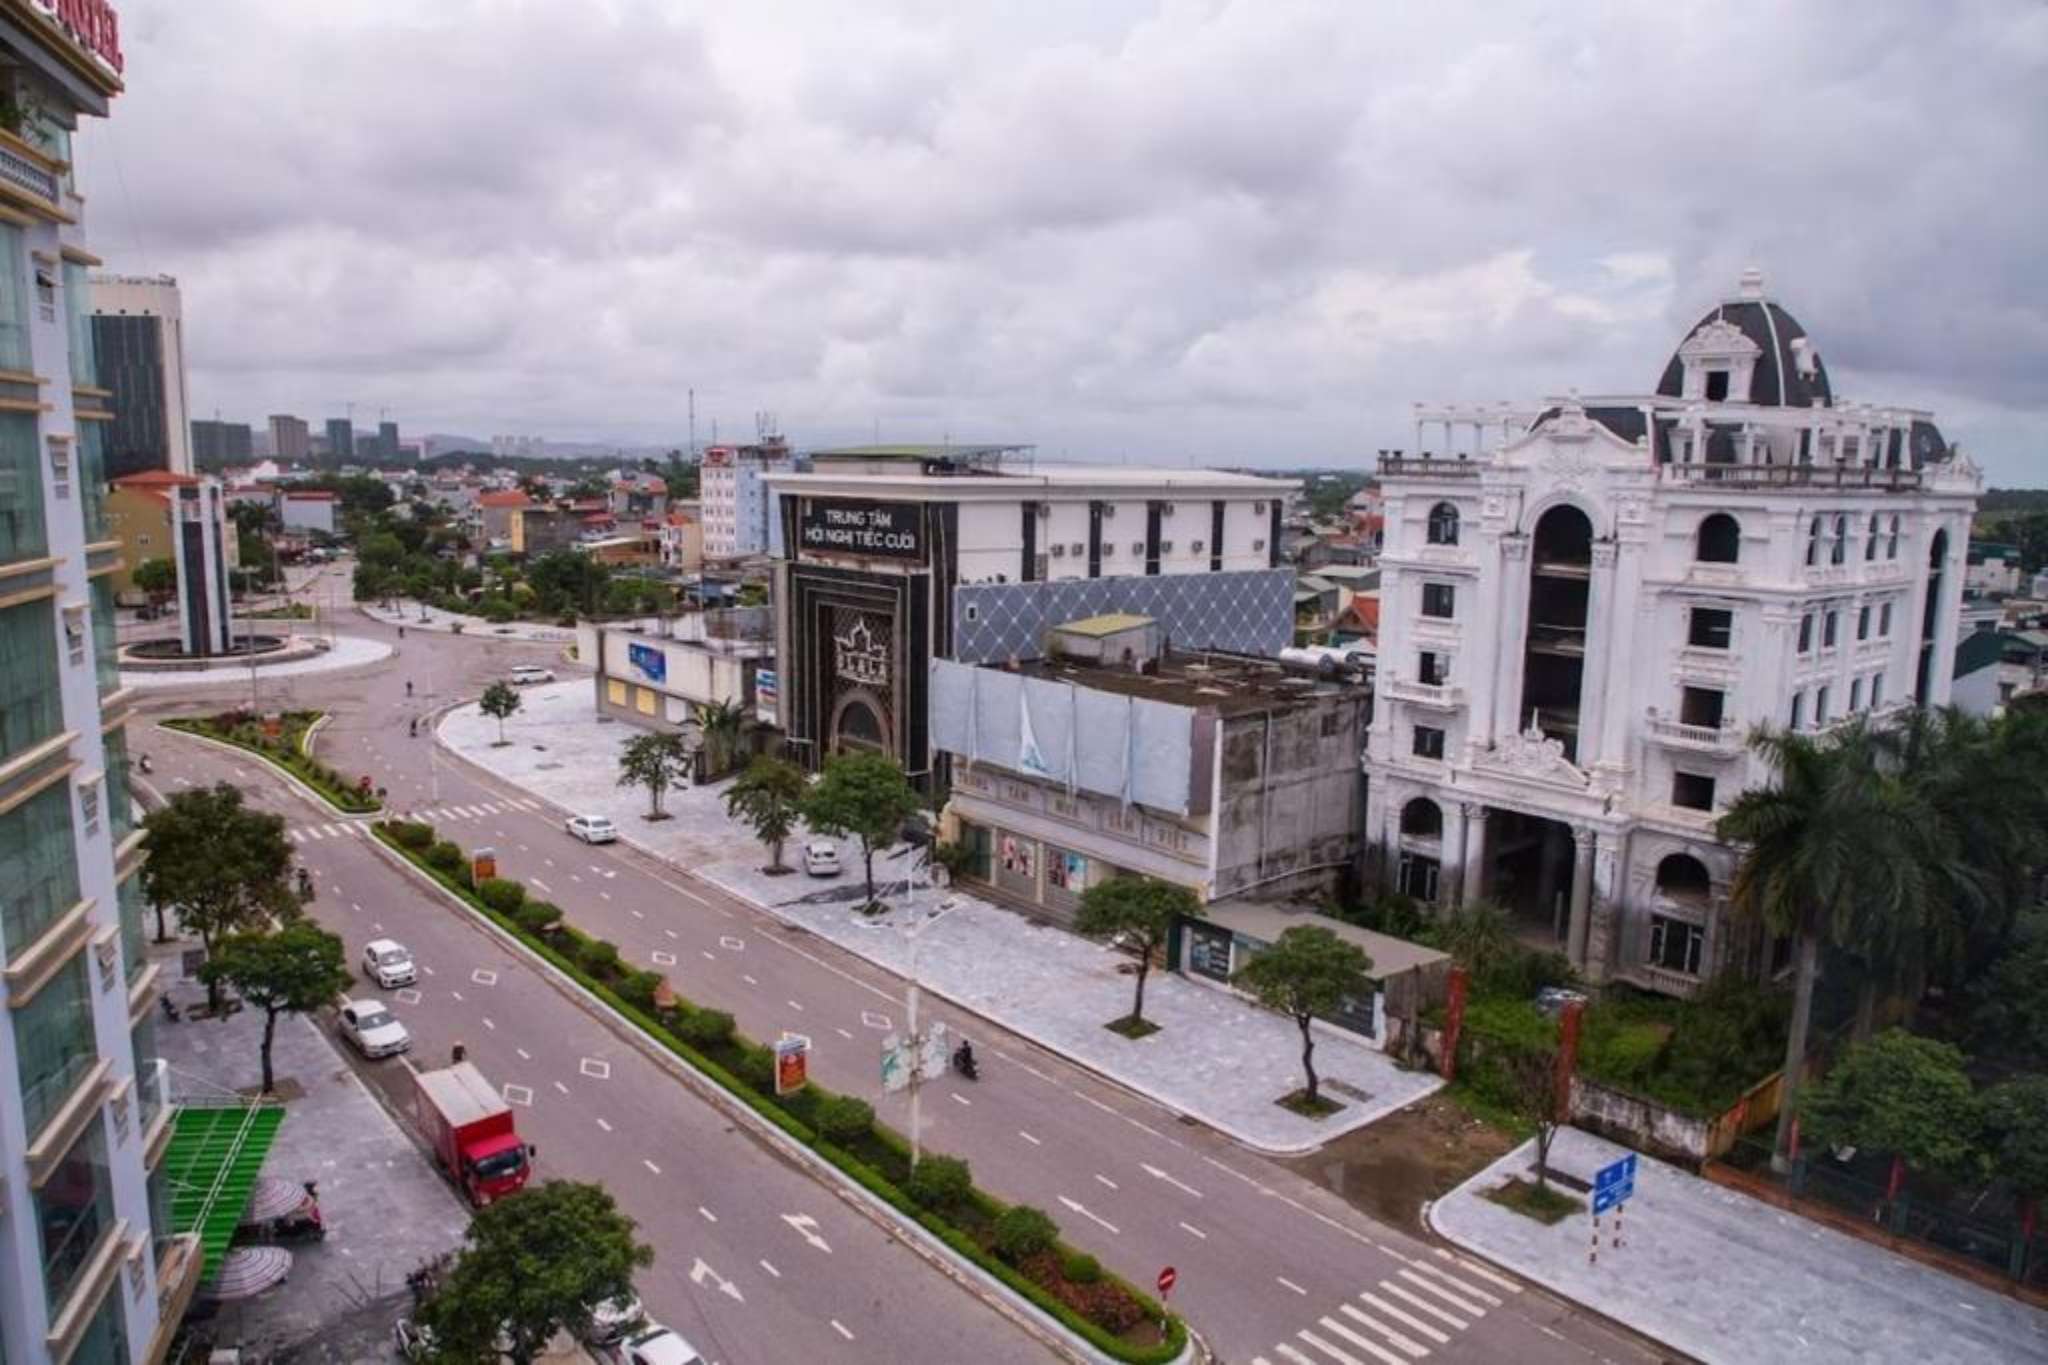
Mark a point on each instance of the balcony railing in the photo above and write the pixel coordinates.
(1427, 467)
(25, 174)
(1792, 476)
(1725, 738)
(1441, 695)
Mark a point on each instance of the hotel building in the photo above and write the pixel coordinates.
(1586, 612)
(88, 1269)
(733, 488)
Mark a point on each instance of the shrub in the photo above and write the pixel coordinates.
(845, 1119)
(502, 894)
(540, 918)
(638, 989)
(1023, 1231)
(444, 856)
(757, 1069)
(600, 958)
(706, 1028)
(1080, 1268)
(939, 1182)
(416, 835)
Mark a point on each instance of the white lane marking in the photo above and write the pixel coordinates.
(673, 934)
(732, 944)
(489, 1025)
(748, 979)
(1028, 1138)
(662, 959)
(1191, 1228)
(524, 1055)
(353, 906)
(1409, 1320)
(456, 994)
(313, 833)
(1297, 1357)
(771, 1270)
(1158, 1174)
(842, 1033)
(1291, 1285)
(547, 862)
(543, 887)
(807, 1228)
(423, 966)
(1093, 1217)
(709, 1216)
(595, 1069)
(1400, 1342)
(409, 996)
(1454, 1282)
(563, 1088)
(709, 956)
(484, 976)
(878, 1022)
(1423, 1305)
(650, 1165)
(606, 1126)
(1481, 1271)
(793, 1005)
(1099, 1104)
(1345, 1357)
(959, 1098)
(295, 836)
(1103, 1179)
(840, 1328)
(574, 878)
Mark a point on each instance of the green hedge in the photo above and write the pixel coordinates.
(286, 752)
(979, 1210)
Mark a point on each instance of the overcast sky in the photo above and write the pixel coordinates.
(1176, 233)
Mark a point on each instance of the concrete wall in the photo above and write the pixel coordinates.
(1290, 797)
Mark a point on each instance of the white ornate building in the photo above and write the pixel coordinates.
(1586, 613)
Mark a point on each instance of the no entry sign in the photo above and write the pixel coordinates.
(1167, 1279)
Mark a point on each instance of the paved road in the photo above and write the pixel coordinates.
(1271, 1267)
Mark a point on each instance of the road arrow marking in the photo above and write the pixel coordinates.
(701, 1272)
(1095, 1218)
(806, 1227)
(1158, 1174)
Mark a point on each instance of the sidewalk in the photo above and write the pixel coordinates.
(1216, 1058)
(408, 614)
(349, 651)
(386, 1209)
(1725, 1278)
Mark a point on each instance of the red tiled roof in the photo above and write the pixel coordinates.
(154, 478)
(1363, 616)
(309, 495)
(515, 498)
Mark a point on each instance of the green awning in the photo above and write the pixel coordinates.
(215, 1154)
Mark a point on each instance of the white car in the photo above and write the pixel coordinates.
(657, 1345)
(614, 1318)
(592, 829)
(374, 1030)
(522, 674)
(388, 963)
(821, 858)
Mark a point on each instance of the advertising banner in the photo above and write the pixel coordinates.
(792, 1063)
(873, 530)
(648, 661)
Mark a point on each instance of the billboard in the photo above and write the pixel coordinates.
(792, 1063)
(648, 661)
(873, 530)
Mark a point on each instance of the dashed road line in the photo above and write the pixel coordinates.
(840, 1328)
(606, 1126)
(563, 1088)
(771, 1270)
(709, 1216)
(650, 1165)
(1028, 1138)
(1195, 1231)
(959, 1098)
(1291, 1285)
(524, 1055)
(1105, 1180)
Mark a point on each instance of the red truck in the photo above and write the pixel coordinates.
(470, 1128)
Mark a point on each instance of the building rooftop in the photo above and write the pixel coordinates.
(1268, 921)
(941, 451)
(1112, 623)
(1228, 684)
(154, 478)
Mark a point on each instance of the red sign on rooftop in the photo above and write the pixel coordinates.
(93, 24)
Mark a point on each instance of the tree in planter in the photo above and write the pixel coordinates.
(656, 761)
(156, 579)
(1534, 1090)
(293, 971)
(531, 1267)
(1142, 910)
(1308, 972)
(226, 868)
(1899, 1094)
(768, 796)
(864, 796)
(722, 724)
(500, 700)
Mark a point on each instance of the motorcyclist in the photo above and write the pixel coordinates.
(963, 1060)
(408, 687)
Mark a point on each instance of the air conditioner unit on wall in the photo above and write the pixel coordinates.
(1137, 547)
(1165, 509)
(1059, 551)
(1079, 548)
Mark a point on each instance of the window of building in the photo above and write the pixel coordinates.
(1820, 707)
(134, 927)
(54, 1041)
(1429, 742)
(1710, 628)
(38, 871)
(106, 655)
(1693, 791)
(78, 326)
(1884, 621)
(73, 1210)
(90, 450)
(1870, 545)
(1719, 540)
(1891, 545)
(1863, 623)
(1443, 524)
(1434, 668)
(1806, 633)
(120, 796)
(1813, 530)
(23, 532)
(1702, 706)
(1675, 944)
(1717, 386)
(1828, 629)
(1332, 724)
(1798, 711)
(1439, 600)
(1839, 551)
(1855, 695)
(149, 1080)
(1876, 690)
(30, 707)
(14, 348)
(105, 1339)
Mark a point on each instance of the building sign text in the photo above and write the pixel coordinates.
(880, 530)
(92, 23)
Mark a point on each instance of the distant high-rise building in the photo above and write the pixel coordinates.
(217, 444)
(387, 440)
(138, 332)
(290, 438)
(735, 495)
(341, 438)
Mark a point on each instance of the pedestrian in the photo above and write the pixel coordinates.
(458, 1054)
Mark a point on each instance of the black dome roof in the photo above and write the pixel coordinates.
(1778, 381)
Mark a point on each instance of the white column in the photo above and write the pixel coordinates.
(1487, 626)
(1503, 716)
(1582, 895)
(1628, 636)
(1450, 853)
(1603, 632)
(1474, 879)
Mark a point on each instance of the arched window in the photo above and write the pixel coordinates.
(1422, 818)
(1719, 540)
(1840, 550)
(1682, 877)
(1443, 524)
(1870, 545)
(1891, 549)
(1813, 543)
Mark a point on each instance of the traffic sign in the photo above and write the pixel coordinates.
(1167, 1279)
(1614, 1183)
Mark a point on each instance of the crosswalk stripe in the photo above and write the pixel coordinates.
(1345, 1357)
(1446, 1295)
(313, 831)
(1261, 1360)
(1474, 1290)
(1400, 1342)
(1481, 1271)
(528, 805)
(295, 836)
(1398, 1292)
(1297, 1357)
(333, 831)
(1413, 1323)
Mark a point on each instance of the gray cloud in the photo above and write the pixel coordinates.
(1196, 231)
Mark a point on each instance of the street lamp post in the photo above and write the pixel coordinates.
(910, 1004)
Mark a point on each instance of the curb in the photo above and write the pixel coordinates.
(915, 1236)
(291, 778)
(1249, 1144)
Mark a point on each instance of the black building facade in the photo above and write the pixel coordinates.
(131, 364)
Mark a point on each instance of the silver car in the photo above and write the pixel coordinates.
(373, 1030)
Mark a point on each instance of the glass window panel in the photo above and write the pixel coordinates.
(78, 324)
(149, 1082)
(74, 1209)
(134, 927)
(120, 798)
(54, 1040)
(91, 454)
(30, 708)
(23, 532)
(38, 872)
(14, 348)
(106, 646)
(105, 1341)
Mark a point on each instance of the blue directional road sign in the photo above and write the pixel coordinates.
(1614, 1183)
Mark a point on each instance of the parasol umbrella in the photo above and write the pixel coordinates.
(248, 1271)
(271, 1198)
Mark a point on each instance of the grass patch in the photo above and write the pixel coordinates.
(1298, 1102)
(1111, 1315)
(281, 742)
(1543, 1204)
(1483, 1106)
(1130, 1026)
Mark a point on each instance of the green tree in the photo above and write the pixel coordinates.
(500, 700)
(1899, 1094)
(1308, 972)
(223, 866)
(532, 1266)
(721, 723)
(657, 761)
(295, 970)
(864, 796)
(2008, 1003)
(768, 796)
(2015, 1116)
(156, 578)
(1828, 850)
(1143, 910)
(1537, 1096)
(1478, 936)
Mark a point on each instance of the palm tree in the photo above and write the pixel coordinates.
(1831, 853)
(720, 723)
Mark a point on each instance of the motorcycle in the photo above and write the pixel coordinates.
(964, 1063)
(305, 885)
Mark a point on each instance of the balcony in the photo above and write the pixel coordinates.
(1566, 641)
(1428, 467)
(1662, 979)
(1770, 476)
(1442, 696)
(1724, 739)
(28, 176)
